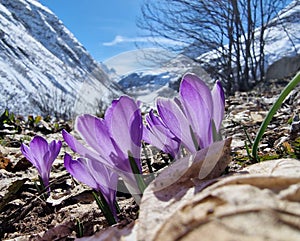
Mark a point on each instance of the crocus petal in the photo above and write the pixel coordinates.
(174, 118)
(219, 104)
(153, 139)
(46, 168)
(107, 182)
(39, 147)
(124, 121)
(95, 132)
(150, 138)
(153, 136)
(161, 141)
(154, 120)
(95, 175)
(157, 134)
(78, 169)
(28, 154)
(200, 86)
(196, 109)
(76, 146)
(54, 149)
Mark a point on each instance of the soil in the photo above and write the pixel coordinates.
(25, 215)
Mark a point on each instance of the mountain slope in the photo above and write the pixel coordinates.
(41, 62)
(146, 85)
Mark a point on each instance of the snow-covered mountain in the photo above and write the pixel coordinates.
(147, 85)
(44, 68)
(42, 63)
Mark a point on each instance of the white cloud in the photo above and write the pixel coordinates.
(118, 39)
(121, 39)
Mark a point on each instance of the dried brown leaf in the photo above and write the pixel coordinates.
(262, 203)
(114, 233)
(176, 184)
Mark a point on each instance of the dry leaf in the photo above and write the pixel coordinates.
(114, 233)
(176, 184)
(13, 190)
(5, 163)
(262, 203)
(216, 160)
(258, 117)
(59, 232)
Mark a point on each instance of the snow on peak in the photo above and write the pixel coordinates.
(41, 61)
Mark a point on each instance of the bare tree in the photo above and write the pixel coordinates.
(233, 30)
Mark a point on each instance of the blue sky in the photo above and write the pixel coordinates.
(105, 28)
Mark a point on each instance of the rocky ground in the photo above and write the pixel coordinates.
(24, 215)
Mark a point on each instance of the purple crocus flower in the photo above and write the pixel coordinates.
(95, 175)
(196, 115)
(157, 134)
(112, 139)
(42, 155)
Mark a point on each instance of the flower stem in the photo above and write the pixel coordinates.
(42, 189)
(79, 228)
(196, 144)
(138, 176)
(102, 204)
(291, 85)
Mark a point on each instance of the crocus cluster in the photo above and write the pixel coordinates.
(110, 147)
(113, 142)
(193, 120)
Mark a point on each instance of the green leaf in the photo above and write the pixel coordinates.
(216, 135)
(37, 119)
(79, 228)
(196, 144)
(102, 204)
(293, 83)
(135, 170)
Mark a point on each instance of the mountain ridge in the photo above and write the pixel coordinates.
(40, 57)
